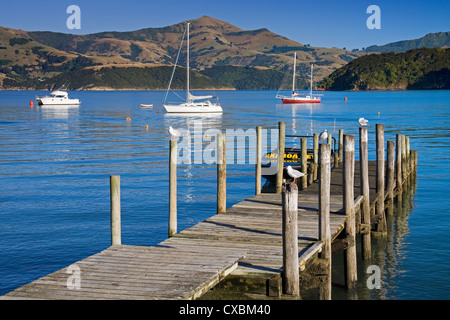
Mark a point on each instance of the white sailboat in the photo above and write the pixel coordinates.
(192, 103)
(297, 97)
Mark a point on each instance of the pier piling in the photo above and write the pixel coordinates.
(258, 160)
(349, 200)
(280, 158)
(290, 274)
(324, 215)
(173, 187)
(398, 163)
(379, 208)
(116, 238)
(221, 173)
(304, 166)
(365, 192)
(390, 175)
(316, 155)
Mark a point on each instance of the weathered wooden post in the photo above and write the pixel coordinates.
(404, 172)
(304, 166)
(379, 207)
(258, 159)
(316, 155)
(221, 173)
(390, 171)
(414, 160)
(408, 155)
(341, 141)
(281, 144)
(324, 215)
(173, 187)
(349, 200)
(116, 237)
(291, 281)
(398, 164)
(365, 192)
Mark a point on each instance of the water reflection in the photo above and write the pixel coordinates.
(387, 253)
(59, 112)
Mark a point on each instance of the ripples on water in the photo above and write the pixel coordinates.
(55, 165)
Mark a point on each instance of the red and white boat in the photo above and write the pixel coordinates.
(297, 97)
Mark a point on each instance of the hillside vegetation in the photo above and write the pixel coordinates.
(40, 59)
(431, 40)
(414, 69)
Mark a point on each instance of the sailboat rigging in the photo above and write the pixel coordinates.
(297, 97)
(191, 105)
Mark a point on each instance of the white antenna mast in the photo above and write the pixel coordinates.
(187, 65)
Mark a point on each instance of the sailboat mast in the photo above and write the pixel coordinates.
(293, 76)
(187, 65)
(311, 78)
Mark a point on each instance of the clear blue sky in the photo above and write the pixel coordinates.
(325, 23)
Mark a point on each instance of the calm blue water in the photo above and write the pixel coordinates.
(55, 166)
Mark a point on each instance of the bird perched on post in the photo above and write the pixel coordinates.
(294, 173)
(174, 134)
(363, 122)
(323, 135)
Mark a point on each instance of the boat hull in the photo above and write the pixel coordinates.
(57, 101)
(294, 100)
(193, 108)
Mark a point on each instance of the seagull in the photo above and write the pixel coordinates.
(174, 134)
(323, 135)
(363, 122)
(294, 173)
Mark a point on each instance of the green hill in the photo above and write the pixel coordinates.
(431, 40)
(248, 78)
(414, 69)
(132, 78)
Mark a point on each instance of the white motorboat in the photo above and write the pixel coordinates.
(57, 98)
(191, 105)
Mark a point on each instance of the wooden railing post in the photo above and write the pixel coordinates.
(221, 173)
(291, 281)
(280, 158)
(398, 164)
(316, 155)
(349, 202)
(116, 237)
(324, 215)
(390, 171)
(341, 141)
(173, 188)
(258, 160)
(408, 155)
(304, 166)
(365, 192)
(404, 172)
(379, 207)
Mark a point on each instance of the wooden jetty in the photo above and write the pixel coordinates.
(281, 242)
